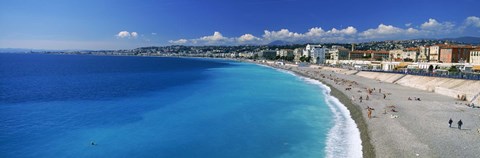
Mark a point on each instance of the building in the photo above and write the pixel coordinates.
(409, 54)
(358, 55)
(316, 53)
(285, 53)
(267, 54)
(380, 55)
(298, 53)
(337, 53)
(455, 54)
(475, 56)
(412, 53)
(395, 55)
(435, 52)
(424, 54)
(246, 55)
(370, 55)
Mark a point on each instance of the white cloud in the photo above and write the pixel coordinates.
(217, 36)
(347, 31)
(153, 33)
(315, 32)
(123, 34)
(179, 42)
(134, 34)
(412, 31)
(433, 26)
(216, 39)
(429, 29)
(390, 32)
(473, 21)
(126, 34)
(382, 31)
(283, 34)
(247, 38)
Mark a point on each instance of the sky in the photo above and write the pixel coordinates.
(126, 24)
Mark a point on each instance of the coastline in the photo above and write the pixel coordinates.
(355, 112)
(399, 127)
(419, 128)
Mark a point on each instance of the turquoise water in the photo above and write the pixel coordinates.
(55, 106)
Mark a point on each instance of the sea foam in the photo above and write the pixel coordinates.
(343, 139)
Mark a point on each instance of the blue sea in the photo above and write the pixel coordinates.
(58, 105)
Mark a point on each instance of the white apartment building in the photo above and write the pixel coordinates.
(316, 52)
(475, 57)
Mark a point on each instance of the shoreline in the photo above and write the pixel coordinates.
(399, 126)
(409, 128)
(355, 112)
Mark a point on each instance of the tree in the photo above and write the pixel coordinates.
(302, 59)
(453, 69)
(255, 56)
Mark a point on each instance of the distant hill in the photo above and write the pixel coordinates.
(466, 40)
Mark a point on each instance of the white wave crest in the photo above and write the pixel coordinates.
(343, 140)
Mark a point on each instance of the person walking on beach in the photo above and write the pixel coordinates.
(384, 96)
(460, 123)
(361, 99)
(369, 112)
(450, 122)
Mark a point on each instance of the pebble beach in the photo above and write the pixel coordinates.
(399, 126)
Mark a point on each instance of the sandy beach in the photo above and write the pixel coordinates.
(400, 127)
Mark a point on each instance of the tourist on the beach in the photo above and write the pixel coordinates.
(361, 99)
(450, 122)
(460, 123)
(369, 112)
(367, 98)
(379, 90)
(384, 96)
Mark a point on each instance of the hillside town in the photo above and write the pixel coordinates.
(407, 56)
